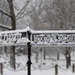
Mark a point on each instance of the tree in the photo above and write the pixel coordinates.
(13, 18)
(36, 16)
(61, 16)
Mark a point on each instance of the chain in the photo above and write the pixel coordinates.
(16, 70)
(62, 68)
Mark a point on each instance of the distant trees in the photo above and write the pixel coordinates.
(64, 13)
(54, 14)
(65, 19)
(35, 17)
(61, 16)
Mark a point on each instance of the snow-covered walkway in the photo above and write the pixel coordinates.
(38, 72)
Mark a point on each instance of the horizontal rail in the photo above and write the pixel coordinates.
(53, 45)
(51, 31)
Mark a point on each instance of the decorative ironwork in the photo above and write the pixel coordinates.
(13, 38)
(56, 38)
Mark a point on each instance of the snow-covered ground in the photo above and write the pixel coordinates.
(43, 67)
(39, 72)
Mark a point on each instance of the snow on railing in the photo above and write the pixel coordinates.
(52, 31)
(14, 37)
(5, 27)
(38, 37)
(54, 37)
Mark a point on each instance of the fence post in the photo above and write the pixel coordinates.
(1, 68)
(73, 68)
(56, 69)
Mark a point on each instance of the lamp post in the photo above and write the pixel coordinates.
(29, 54)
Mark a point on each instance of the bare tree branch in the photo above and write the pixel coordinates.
(22, 10)
(5, 27)
(5, 13)
(25, 14)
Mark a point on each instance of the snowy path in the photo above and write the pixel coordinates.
(39, 72)
(42, 70)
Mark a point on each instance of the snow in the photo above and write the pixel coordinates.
(52, 31)
(21, 41)
(14, 37)
(13, 31)
(40, 68)
(28, 29)
(38, 72)
(5, 26)
(38, 31)
(43, 67)
(42, 33)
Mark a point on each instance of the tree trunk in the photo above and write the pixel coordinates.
(44, 54)
(36, 56)
(13, 23)
(58, 56)
(12, 57)
(68, 57)
(5, 50)
(67, 65)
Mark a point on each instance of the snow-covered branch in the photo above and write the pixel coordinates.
(23, 9)
(5, 13)
(5, 27)
(25, 14)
